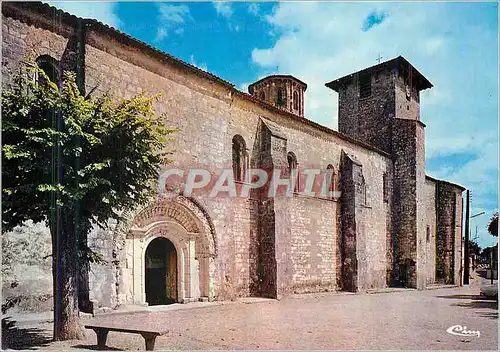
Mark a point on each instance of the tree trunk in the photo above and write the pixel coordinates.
(65, 277)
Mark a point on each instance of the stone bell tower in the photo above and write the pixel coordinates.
(283, 91)
(380, 106)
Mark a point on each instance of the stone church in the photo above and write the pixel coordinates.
(393, 225)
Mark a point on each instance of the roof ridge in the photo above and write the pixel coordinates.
(128, 36)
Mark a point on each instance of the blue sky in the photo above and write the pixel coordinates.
(455, 45)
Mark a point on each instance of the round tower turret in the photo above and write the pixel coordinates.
(283, 91)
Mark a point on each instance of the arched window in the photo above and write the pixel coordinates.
(292, 168)
(50, 67)
(295, 100)
(385, 187)
(262, 96)
(240, 158)
(279, 97)
(330, 175)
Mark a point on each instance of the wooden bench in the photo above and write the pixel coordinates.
(102, 330)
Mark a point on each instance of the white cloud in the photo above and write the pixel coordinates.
(253, 9)
(223, 8)
(161, 33)
(171, 19)
(319, 42)
(104, 12)
(432, 45)
(173, 13)
(203, 66)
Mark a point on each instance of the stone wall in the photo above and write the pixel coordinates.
(458, 236)
(405, 202)
(103, 276)
(421, 209)
(352, 195)
(27, 268)
(449, 233)
(430, 228)
(313, 246)
(388, 191)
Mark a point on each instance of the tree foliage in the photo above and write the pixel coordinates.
(95, 153)
(75, 161)
(474, 248)
(493, 225)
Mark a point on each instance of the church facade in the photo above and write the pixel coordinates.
(391, 226)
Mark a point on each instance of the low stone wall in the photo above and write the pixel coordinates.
(27, 268)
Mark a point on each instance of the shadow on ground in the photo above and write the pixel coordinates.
(16, 338)
(95, 348)
(488, 305)
(461, 297)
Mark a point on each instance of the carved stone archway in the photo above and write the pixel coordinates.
(187, 225)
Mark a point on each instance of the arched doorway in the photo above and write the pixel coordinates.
(189, 230)
(161, 272)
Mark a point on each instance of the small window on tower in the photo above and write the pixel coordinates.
(295, 101)
(262, 96)
(385, 187)
(365, 85)
(279, 98)
(428, 234)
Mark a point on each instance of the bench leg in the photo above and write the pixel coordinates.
(150, 341)
(102, 335)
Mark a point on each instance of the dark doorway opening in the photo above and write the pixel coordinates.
(161, 272)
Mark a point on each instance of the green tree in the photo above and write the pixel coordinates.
(474, 248)
(75, 162)
(493, 225)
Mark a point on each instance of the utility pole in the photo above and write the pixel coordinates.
(466, 245)
(475, 254)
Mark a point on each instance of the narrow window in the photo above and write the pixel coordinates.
(279, 97)
(365, 85)
(262, 96)
(385, 188)
(364, 190)
(330, 174)
(428, 233)
(240, 158)
(50, 67)
(292, 169)
(295, 100)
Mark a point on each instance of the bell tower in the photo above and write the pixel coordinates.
(370, 100)
(283, 91)
(380, 105)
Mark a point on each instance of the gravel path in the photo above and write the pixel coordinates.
(398, 320)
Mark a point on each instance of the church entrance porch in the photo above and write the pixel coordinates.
(161, 272)
(170, 255)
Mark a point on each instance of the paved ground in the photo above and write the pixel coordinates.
(395, 320)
